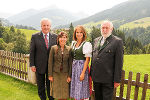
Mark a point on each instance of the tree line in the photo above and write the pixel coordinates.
(24, 27)
(131, 45)
(140, 33)
(12, 39)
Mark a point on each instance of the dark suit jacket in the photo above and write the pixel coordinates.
(108, 61)
(39, 53)
(55, 60)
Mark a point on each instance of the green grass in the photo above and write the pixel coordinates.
(14, 89)
(144, 22)
(91, 24)
(137, 63)
(28, 33)
(95, 24)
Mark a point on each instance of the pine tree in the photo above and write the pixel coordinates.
(119, 34)
(2, 29)
(12, 29)
(70, 33)
(1, 23)
(20, 44)
(2, 47)
(95, 33)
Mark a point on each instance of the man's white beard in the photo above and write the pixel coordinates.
(106, 35)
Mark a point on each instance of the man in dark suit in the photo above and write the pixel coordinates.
(107, 62)
(39, 51)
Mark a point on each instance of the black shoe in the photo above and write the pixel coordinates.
(51, 98)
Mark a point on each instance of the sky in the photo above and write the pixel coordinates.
(87, 6)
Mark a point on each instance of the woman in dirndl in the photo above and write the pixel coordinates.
(81, 53)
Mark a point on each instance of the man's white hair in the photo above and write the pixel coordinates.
(45, 19)
(107, 21)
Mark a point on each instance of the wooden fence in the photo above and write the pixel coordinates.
(14, 64)
(131, 83)
(17, 65)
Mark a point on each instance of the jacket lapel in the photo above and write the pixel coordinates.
(52, 40)
(59, 52)
(108, 40)
(41, 38)
(104, 45)
(65, 50)
(97, 44)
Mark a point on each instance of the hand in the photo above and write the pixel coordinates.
(81, 77)
(33, 69)
(116, 84)
(68, 79)
(50, 78)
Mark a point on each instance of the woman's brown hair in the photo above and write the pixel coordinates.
(60, 35)
(82, 30)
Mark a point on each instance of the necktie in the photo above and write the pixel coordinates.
(46, 41)
(102, 41)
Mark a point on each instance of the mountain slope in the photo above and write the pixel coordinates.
(32, 17)
(20, 16)
(143, 22)
(121, 13)
(4, 15)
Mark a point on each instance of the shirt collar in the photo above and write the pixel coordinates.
(106, 37)
(46, 34)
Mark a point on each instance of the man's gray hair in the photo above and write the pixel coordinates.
(45, 19)
(107, 21)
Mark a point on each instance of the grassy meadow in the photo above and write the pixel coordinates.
(144, 22)
(13, 89)
(28, 33)
(137, 63)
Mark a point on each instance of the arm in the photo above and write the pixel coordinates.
(118, 63)
(70, 66)
(87, 50)
(84, 68)
(32, 54)
(50, 64)
(70, 63)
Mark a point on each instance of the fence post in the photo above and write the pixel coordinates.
(129, 86)
(145, 86)
(122, 85)
(1, 59)
(137, 86)
(31, 74)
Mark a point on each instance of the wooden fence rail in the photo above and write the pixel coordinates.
(131, 83)
(14, 64)
(17, 65)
